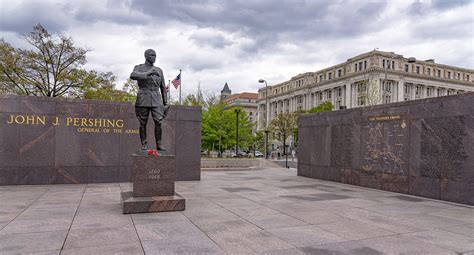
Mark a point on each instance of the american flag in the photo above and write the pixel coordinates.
(177, 81)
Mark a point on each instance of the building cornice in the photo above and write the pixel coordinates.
(368, 71)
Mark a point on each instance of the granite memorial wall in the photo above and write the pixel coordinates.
(422, 147)
(56, 141)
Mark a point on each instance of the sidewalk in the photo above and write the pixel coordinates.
(269, 211)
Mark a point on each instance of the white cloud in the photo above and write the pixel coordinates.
(239, 43)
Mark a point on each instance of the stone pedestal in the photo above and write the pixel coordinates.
(153, 180)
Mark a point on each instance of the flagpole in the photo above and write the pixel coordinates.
(169, 92)
(180, 85)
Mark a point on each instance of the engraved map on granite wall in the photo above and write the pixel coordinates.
(442, 151)
(385, 146)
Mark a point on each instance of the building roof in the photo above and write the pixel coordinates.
(243, 95)
(226, 89)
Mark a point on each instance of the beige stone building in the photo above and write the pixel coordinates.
(246, 100)
(375, 77)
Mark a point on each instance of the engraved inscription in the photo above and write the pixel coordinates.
(154, 174)
(384, 118)
(442, 150)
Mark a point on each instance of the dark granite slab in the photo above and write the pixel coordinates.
(62, 140)
(153, 175)
(421, 147)
(131, 204)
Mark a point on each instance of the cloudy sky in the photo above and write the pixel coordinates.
(240, 42)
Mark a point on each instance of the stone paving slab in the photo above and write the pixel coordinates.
(270, 211)
(134, 248)
(31, 242)
(36, 225)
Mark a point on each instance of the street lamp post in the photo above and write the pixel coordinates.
(266, 116)
(237, 111)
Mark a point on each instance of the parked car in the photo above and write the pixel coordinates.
(258, 154)
(242, 154)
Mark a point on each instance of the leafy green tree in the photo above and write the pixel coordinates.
(284, 125)
(219, 129)
(131, 87)
(214, 134)
(192, 100)
(325, 106)
(53, 67)
(101, 86)
(260, 140)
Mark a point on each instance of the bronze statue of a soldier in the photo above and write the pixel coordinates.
(151, 97)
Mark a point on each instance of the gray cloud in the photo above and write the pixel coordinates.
(21, 17)
(240, 41)
(210, 39)
(445, 4)
(427, 8)
(269, 22)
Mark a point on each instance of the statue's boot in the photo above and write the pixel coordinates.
(159, 147)
(143, 140)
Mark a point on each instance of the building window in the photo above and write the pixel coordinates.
(361, 93)
(459, 76)
(417, 69)
(355, 67)
(387, 87)
(383, 63)
(320, 95)
(393, 65)
(360, 65)
(428, 92)
(428, 71)
(365, 64)
(329, 94)
(406, 95)
(449, 75)
(339, 73)
(439, 73)
(406, 68)
(387, 92)
(329, 76)
(339, 92)
(467, 77)
(417, 91)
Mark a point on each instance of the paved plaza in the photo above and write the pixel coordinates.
(269, 211)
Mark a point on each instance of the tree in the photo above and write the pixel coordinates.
(325, 106)
(195, 100)
(192, 100)
(101, 86)
(368, 92)
(53, 68)
(219, 129)
(284, 125)
(131, 87)
(213, 132)
(260, 140)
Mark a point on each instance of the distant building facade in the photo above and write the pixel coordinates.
(246, 100)
(346, 85)
(225, 92)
